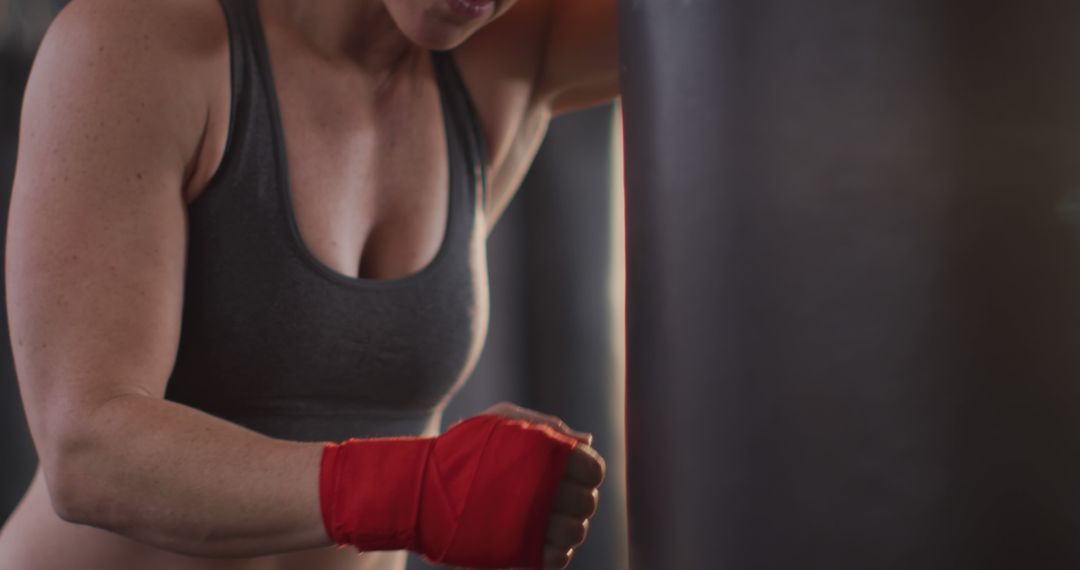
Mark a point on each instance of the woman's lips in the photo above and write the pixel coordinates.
(472, 9)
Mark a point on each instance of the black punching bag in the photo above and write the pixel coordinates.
(853, 283)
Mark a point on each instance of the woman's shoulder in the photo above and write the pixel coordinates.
(564, 52)
(113, 35)
(512, 47)
(160, 63)
(499, 64)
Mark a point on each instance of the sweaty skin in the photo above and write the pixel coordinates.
(124, 124)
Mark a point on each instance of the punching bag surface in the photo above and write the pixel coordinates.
(853, 283)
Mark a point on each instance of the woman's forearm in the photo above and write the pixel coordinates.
(178, 479)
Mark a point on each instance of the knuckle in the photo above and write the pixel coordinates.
(557, 558)
(578, 534)
(599, 468)
(594, 475)
(587, 504)
(584, 468)
(568, 557)
(567, 532)
(572, 532)
(575, 500)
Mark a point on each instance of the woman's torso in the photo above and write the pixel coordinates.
(355, 308)
(368, 178)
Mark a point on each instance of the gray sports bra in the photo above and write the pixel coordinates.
(273, 339)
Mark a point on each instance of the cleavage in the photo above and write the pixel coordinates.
(368, 174)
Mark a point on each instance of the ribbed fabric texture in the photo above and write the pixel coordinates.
(275, 340)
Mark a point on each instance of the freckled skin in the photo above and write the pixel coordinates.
(125, 122)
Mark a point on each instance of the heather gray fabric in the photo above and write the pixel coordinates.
(276, 341)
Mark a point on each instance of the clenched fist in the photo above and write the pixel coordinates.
(579, 491)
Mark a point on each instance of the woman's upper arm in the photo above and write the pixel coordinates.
(581, 64)
(96, 236)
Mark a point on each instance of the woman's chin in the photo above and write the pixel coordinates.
(438, 37)
(442, 24)
(440, 43)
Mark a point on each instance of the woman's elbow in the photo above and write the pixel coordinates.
(82, 467)
(66, 504)
(73, 490)
(81, 470)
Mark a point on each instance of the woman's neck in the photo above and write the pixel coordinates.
(360, 31)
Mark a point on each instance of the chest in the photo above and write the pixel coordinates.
(367, 162)
(386, 341)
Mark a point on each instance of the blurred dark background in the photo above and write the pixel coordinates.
(556, 265)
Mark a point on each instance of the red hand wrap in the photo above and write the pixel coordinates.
(480, 495)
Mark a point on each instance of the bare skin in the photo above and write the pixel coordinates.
(125, 122)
